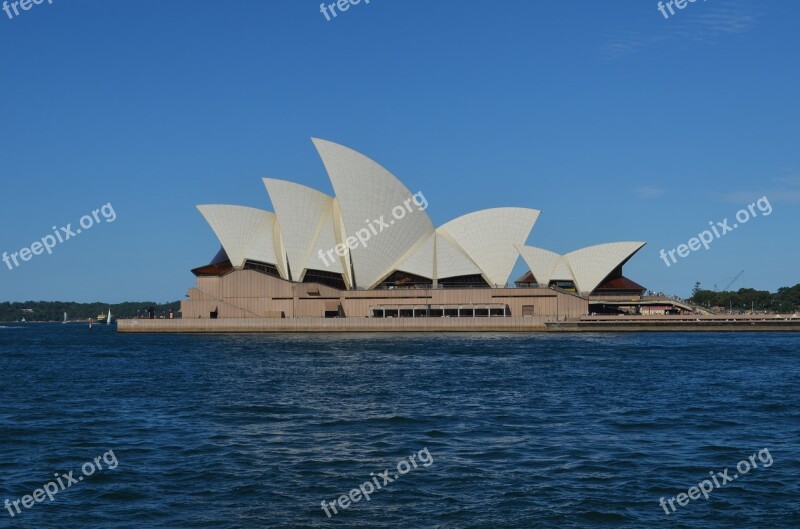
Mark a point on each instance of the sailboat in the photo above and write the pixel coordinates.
(108, 319)
(65, 318)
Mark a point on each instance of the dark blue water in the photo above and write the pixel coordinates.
(523, 431)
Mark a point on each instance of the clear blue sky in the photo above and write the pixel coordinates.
(617, 123)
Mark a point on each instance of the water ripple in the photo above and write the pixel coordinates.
(525, 431)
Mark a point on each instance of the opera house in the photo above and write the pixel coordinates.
(371, 251)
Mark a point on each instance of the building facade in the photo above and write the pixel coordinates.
(371, 251)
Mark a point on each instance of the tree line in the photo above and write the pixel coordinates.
(54, 310)
(785, 300)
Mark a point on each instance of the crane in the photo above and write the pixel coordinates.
(732, 281)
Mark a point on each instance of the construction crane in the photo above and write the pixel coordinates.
(737, 276)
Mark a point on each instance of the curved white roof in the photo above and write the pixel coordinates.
(542, 263)
(340, 234)
(489, 238)
(562, 271)
(306, 222)
(439, 258)
(367, 192)
(587, 267)
(326, 241)
(420, 262)
(387, 231)
(591, 265)
(245, 233)
(451, 261)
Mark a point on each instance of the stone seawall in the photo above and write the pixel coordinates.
(497, 324)
(244, 325)
(676, 326)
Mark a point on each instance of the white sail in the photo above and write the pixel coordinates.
(65, 317)
(108, 319)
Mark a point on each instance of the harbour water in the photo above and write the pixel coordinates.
(523, 430)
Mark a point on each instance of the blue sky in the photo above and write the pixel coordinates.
(617, 123)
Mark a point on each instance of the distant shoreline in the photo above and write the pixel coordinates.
(73, 322)
(53, 311)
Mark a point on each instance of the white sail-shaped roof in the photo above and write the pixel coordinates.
(268, 246)
(420, 262)
(591, 265)
(244, 232)
(542, 263)
(587, 267)
(340, 234)
(395, 233)
(439, 258)
(305, 216)
(489, 238)
(562, 271)
(326, 241)
(367, 192)
(451, 261)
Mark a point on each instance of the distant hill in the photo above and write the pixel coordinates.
(54, 310)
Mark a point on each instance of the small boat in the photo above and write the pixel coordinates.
(23, 320)
(108, 319)
(65, 318)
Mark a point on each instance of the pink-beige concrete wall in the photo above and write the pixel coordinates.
(250, 294)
